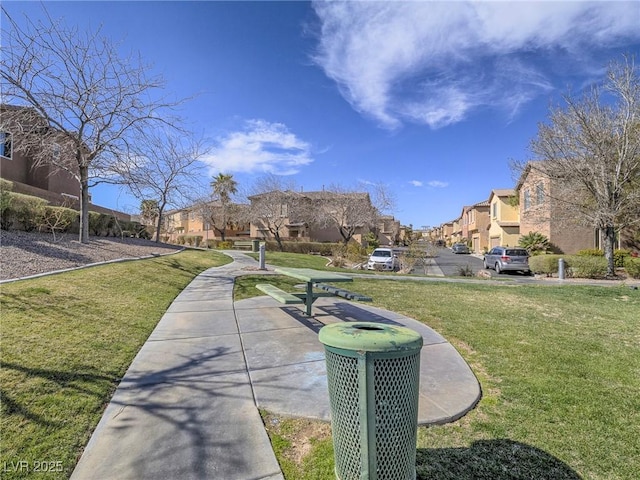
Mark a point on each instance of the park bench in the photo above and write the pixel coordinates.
(278, 294)
(243, 244)
(341, 292)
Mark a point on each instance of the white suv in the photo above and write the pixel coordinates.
(383, 259)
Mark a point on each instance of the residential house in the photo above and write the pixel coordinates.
(57, 186)
(456, 231)
(447, 232)
(387, 229)
(477, 221)
(193, 221)
(313, 216)
(504, 228)
(44, 181)
(541, 211)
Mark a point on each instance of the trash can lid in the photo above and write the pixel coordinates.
(370, 337)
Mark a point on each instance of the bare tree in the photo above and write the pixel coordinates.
(274, 205)
(162, 167)
(345, 209)
(592, 149)
(84, 103)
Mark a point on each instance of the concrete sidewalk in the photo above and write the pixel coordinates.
(188, 405)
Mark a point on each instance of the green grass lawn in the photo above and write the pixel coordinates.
(559, 368)
(560, 374)
(67, 339)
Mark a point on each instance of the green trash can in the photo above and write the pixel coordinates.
(373, 372)
(255, 245)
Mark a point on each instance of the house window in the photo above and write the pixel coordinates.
(6, 145)
(539, 194)
(527, 200)
(494, 209)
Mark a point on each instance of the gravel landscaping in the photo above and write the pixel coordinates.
(23, 254)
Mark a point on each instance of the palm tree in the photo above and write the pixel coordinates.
(535, 242)
(224, 186)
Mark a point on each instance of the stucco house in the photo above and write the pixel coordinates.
(541, 211)
(477, 220)
(504, 228)
(56, 186)
(312, 216)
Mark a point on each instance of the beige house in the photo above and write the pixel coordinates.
(388, 230)
(446, 232)
(193, 221)
(456, 230)
(315, 216)
(294, 215)
(477, 220)
(504, 228)
(540, 211)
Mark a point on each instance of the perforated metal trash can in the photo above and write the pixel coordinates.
(373, 372)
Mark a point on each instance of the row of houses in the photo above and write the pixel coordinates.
(314, 216)
(509, 214)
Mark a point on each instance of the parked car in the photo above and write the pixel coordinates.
(503, 259)
(460, 248)
(383, 259)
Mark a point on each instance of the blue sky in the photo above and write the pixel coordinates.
(431, 99)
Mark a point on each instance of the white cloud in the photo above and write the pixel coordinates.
(260, 147)
(416, 183)
(437, 184)
(435, 62)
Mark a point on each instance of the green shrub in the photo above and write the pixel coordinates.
(371, 241)
(180, 240)
(26, 210)
(57, 219)
(101, 224)
(210, 244)
(5, 201)
(620, 257)
(323, 248)
(632, 267)
(590, 252)
(226, 245)
(583, 266)
(356, 252)
(544, 264)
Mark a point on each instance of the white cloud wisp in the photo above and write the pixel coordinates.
(260, 147)
(435, 62)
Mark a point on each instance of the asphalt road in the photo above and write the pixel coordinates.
(452, 265)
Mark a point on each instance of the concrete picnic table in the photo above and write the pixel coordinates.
(311, 276)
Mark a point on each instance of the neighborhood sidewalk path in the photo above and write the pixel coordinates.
(188, 407)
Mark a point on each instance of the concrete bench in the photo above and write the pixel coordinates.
(341, 292)
(241, 244)
(278, 294)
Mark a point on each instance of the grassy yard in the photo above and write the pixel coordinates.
(560, 374)
(67, 340)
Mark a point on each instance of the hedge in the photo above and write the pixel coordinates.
(633, 267)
